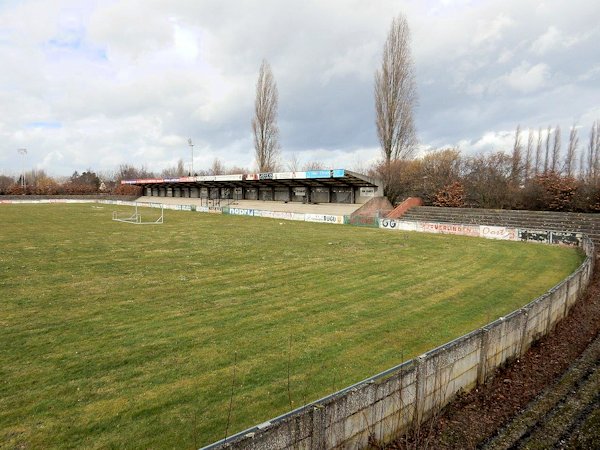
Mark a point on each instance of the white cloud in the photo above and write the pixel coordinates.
(356, 61)
(492, 30)
(339, 158)
(554, 39)
(526, 78)
(186, 43)
(490, 141)
(132, 81)
(592, 74)
(130, 30)
(52, 158)
(505, 56)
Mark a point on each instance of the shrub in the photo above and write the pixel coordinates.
(452, 195)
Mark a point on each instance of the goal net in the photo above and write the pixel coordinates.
(136, 217)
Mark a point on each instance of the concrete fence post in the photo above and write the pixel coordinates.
(420, 380)
(484, 344)
(568, 296)
(549, 306)
(525, 322)
(582, 283)
(319, 425)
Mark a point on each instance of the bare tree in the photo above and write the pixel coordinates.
(181, 172)
(235, 170)
(217, 167)
(583, 172)
(396, 94)
(570, 157)
(359, 166)
(596, 159)
(538, 152)
(593, 150)
(175, 171)
(313, 165)
(129, 172)
(487, 180)
(5, 183)
(528, 156)
(547, 158)
(516, 163)
(264, 123)
(294, 163)
(556, 149)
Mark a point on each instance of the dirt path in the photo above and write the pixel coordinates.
(558, 418)
(549, 398)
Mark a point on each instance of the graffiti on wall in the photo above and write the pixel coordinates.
(449, 228)
(565, 237)
(492, 232)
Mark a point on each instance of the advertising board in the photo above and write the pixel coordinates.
(318, 174)
(448, 228)
(367, 192)
(534, 235)
(323, 218)
(565, 237)
(283, 215)
(261, 213)
(300, 191)
(237, 177)
(392, 224)
(289, 175)
(494, 232)
(146, 181)
(241, 212)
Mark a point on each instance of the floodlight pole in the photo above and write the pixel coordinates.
(23, 152)
(192, 164)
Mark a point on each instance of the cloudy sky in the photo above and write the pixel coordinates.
(98, 83)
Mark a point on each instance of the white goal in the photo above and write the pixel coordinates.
(136, 217)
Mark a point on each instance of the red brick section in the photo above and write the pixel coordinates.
(404, 206)
(373, 206)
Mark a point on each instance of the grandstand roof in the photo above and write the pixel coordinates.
(333, 177)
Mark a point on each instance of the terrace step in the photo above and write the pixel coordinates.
(583, 222)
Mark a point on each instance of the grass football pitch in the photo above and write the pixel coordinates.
(115, 335)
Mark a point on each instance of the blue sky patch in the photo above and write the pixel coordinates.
(44, 124)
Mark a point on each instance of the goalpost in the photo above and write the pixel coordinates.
(136, 217)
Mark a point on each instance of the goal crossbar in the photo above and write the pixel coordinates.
(136, 218)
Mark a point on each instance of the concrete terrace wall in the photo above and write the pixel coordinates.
(533, 220)
(384, 405)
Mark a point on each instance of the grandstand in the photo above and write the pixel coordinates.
(311, 187)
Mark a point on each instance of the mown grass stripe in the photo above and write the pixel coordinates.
(114, 335)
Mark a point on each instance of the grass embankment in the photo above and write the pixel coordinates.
(117, 335)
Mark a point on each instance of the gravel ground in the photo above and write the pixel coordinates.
(310, 208)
